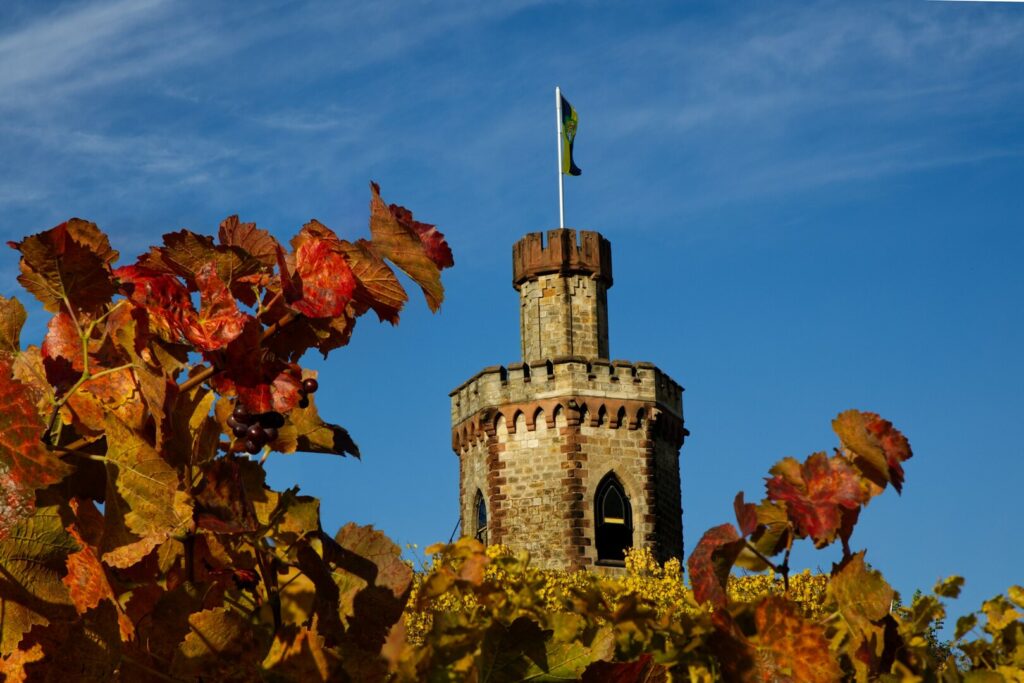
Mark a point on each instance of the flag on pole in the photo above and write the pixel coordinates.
(569, 122)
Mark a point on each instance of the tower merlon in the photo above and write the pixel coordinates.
(532, 257)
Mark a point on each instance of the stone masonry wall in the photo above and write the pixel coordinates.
(563, 316)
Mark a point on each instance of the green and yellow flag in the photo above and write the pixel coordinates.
(569, 122)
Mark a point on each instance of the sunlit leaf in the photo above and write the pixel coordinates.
(816, 492)
(862, 597)
(156, 505)
(789, 648)
(12, 667)
(220, 321)
(876, 447)
(322, 283)
(378, 288)
(397, 241)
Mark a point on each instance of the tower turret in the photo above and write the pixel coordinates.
(563, 297)
(566, 454)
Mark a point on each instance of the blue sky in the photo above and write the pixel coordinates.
(812, 206)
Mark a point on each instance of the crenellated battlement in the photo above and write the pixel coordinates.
(574, 376)
(532, 257)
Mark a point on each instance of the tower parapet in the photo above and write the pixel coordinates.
(531, 257)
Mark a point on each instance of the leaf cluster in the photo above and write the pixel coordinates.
(139, 540)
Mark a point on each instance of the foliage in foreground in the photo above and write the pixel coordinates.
(138, 542)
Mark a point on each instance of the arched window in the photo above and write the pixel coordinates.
(614, 517)
(480, 528)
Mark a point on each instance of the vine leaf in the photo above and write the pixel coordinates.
(68, 262)
(307, 432)
(25, 464)
(816, 493)
(434, 244)
(88, 584)
(378, 288)
(876, 447)
(12, 319)
(746, 515)
(13, 666)
(789, 647)
(322, 283)
(157, 508)
(185, 253)
(32, 558)
(396, 239)
(160, 297)
(257, 242)
(261, 381)
(862, 597)
(299, 654)
(710, 563)
(220, 321)
(220, 645)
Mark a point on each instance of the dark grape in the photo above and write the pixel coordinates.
(253, 447)
(270, 433)
(310, 385)
(256, 432)
(304, 402)
(241, 414)
(272, 419)
(240, 431)
(233, 423)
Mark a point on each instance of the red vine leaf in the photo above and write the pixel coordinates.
(161, 296)
(816, 493)
(25, 464)
(88, 583)
(876, 447)
(746, 515)
(62, 352)
(789, 648)
(397, 240)
(322, 283)
(710, 564)
(220, 321)
(262, 382)
(70, 261)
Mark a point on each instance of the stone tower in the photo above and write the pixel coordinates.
(566, 454)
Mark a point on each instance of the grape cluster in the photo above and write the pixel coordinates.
(256, 430)
(309, 386)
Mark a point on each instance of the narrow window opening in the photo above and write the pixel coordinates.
(614, 517)
(480, 532)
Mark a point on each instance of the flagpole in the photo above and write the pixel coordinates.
(558, 140)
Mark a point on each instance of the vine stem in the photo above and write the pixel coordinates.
(762, 557)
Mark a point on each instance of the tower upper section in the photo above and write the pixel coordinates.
(563, 298)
